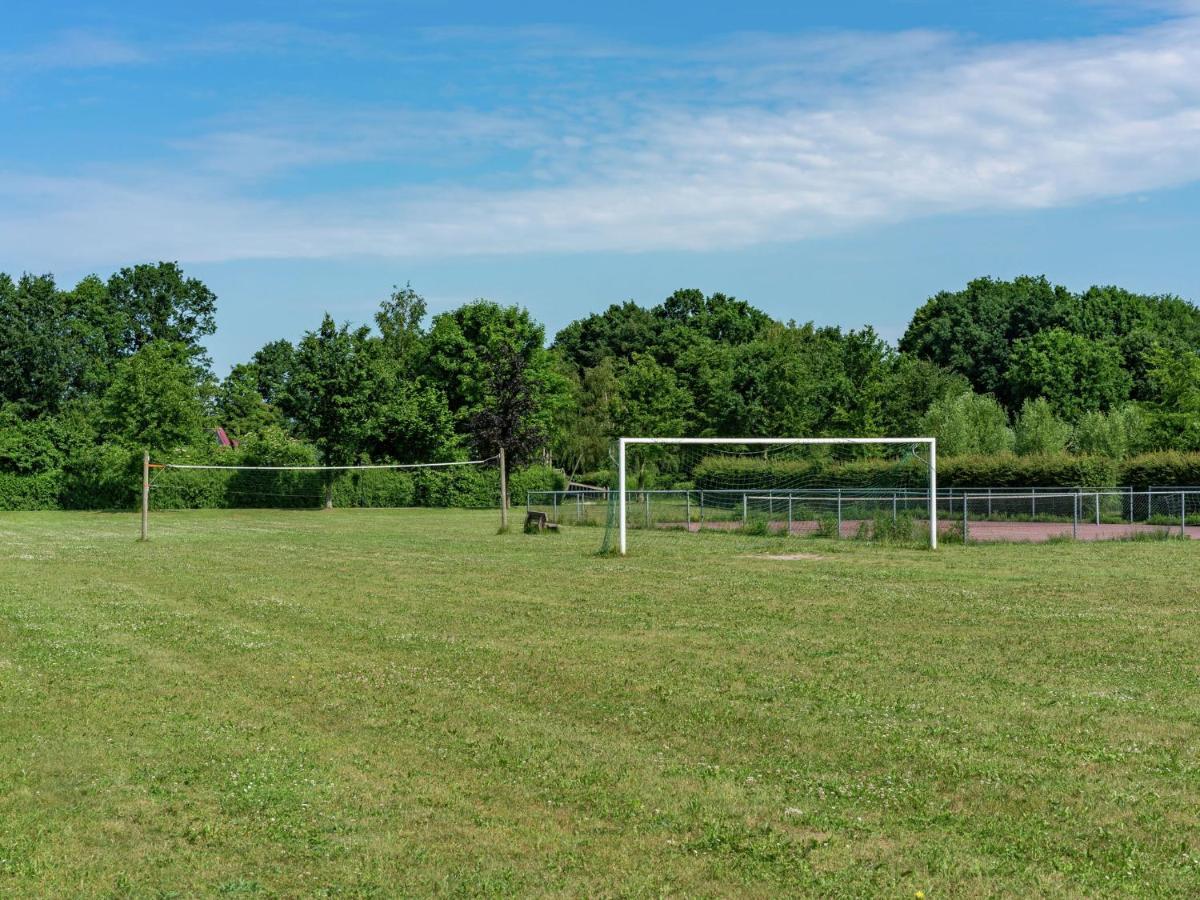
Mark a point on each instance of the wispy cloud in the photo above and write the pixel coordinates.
(954, 128)
(75, 49)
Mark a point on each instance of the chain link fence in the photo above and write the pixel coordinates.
(968, 514)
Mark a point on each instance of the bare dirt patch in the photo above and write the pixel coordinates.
(784, 556)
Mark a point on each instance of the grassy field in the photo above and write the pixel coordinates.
(378, 703)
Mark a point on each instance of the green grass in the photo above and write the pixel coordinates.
(373, 703)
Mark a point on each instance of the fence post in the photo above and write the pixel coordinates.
(839, 530)
(1131, 506)
(989, 503)
(789, 525)
(701, 522)
(893, 509)
(1182, 514)
(1033, 503)
(647, 496)
(1097, 507)
(504, 493)
(688, 503)
(1075, 517)
(578, 506)
(745, 509)
(146, 495)
(965, 524)
(554, 500)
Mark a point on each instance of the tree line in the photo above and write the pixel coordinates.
(1021, 366)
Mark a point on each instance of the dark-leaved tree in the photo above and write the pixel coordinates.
(508, 416)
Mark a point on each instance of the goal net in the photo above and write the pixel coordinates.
(466, 483)
(759, 491)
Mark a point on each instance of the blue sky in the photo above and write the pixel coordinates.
(834, 162)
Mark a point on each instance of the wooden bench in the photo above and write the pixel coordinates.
(537, 522)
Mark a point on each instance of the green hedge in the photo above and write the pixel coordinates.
(1009, 471)
(718, 472)
(1161, 470)
(20, 492)
(534, 478)
(1002, 470)
(104, 477)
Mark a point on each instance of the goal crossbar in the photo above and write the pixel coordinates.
(624, 443)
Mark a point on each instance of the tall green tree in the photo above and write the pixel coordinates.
(782, 383)
(649, 401)
(616, 333)
(34, 361)
(1173, 410)
(911, 386)
(972, 331)
(240, 407)
(719, 317)
(1074, 373)
(273, 365)
(330, 390)
(96, 336)
(399, 320)
(156, 399)
(584, 430)
(159, 303)
(411, 422)
(466, 345)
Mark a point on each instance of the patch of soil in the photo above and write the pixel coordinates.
(784, 556)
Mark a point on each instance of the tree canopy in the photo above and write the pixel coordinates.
(1021, 366)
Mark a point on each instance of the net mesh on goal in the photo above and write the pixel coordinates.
(762, 496)
(469, 483)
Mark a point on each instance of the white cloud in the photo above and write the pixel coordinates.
(954, 129)
(75, 49)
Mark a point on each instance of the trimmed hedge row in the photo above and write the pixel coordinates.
(1162, 470)
(1003, 470)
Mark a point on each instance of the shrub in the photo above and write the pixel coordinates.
(903, 530)
(1047, 470)
(998, 470)
(103, 477)
(968, 423)
(599, 478)
(29, 492)
(534, 478)
(1161, 470)
(375, 488)
(1118, 434)
(1039, 431)
(459, 486)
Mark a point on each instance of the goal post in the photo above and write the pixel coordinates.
(625, 444)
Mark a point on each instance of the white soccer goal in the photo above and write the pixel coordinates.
(473, 483)
(840, 487)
